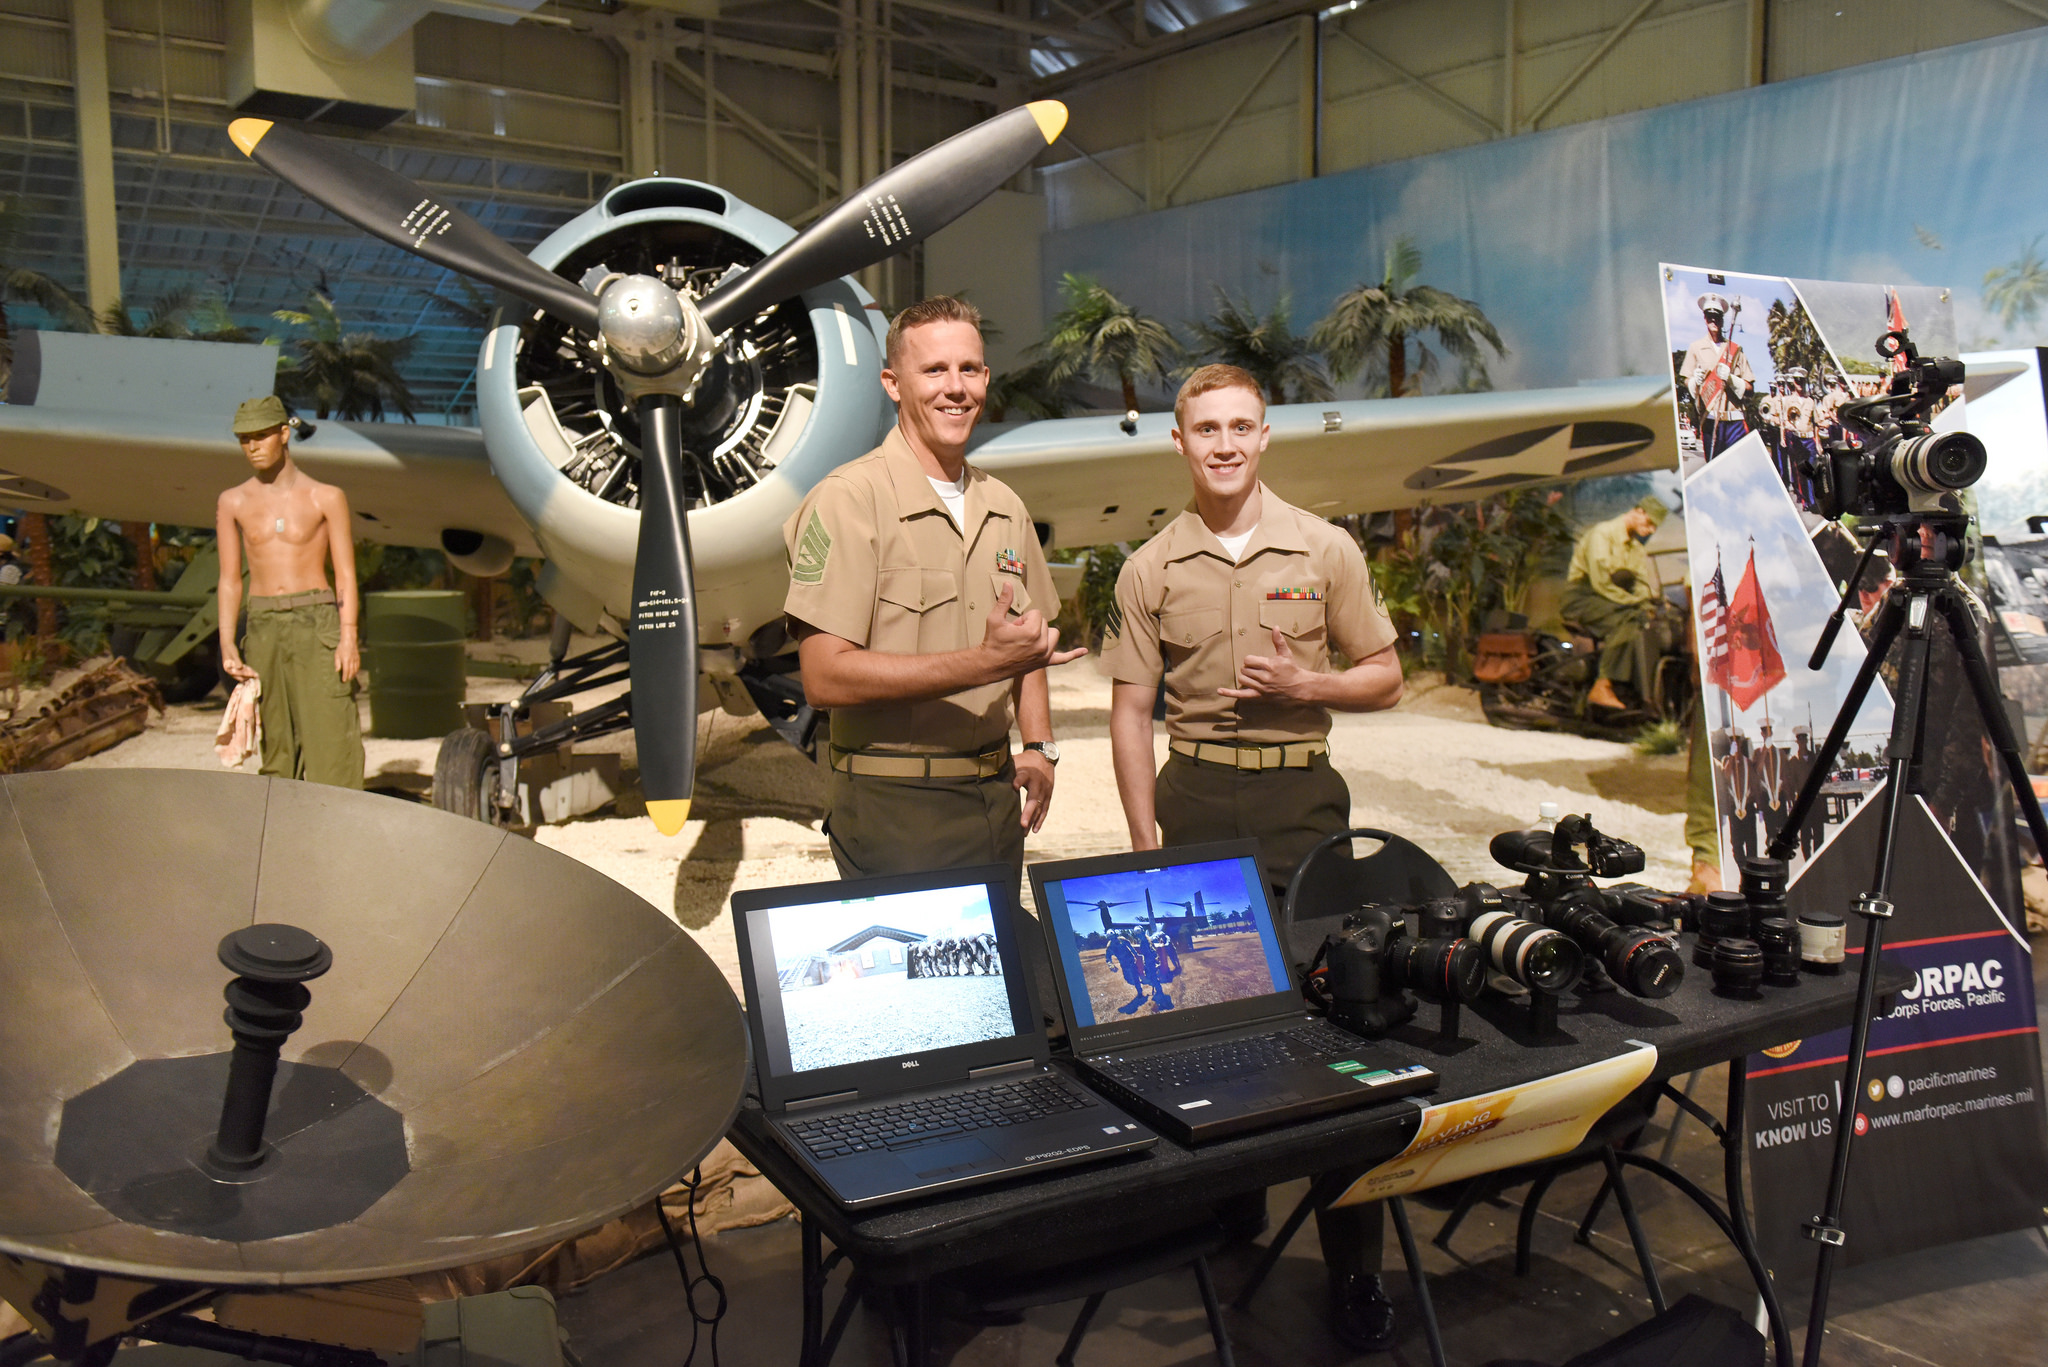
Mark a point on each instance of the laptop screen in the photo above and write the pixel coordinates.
(1162, 937)
(845, 980)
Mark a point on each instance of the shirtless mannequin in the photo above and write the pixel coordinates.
(302, 633)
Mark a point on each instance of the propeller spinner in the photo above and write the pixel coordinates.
(658, 344)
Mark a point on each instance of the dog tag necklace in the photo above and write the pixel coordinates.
(280, 526)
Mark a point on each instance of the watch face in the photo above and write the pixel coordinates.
(1050, 749)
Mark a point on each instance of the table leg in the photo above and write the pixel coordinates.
(813, 1282)
(1399, 1210)
(1738, 1214)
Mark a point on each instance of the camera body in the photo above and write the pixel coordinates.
(1901, 467)
(1389, 954)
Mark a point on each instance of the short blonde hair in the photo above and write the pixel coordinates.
(940, 308)
(1212, 377)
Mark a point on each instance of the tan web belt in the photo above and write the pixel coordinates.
(1295, 755)
(881, 764)
(284, 602)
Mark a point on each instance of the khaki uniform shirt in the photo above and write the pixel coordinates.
(1605, 548)
(1700, 360)
(1185, 610)
(1827, 409)
(1772, 406)
(1799, 415)
(876, 559)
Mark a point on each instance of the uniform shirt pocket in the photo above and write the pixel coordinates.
(1020, 597)
(916, 610)
(1189, 628)
(1296, 617)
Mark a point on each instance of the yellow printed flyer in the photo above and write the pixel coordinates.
(1504, 1129)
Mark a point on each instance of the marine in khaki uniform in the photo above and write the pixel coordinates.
(920, 600)
(1608, 590)
(1239, 604)
(301, 641)
(1718, 374)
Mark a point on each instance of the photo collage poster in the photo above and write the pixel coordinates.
(1761, 365)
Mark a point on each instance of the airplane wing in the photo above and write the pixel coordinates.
(1093, 483)
(137, 428)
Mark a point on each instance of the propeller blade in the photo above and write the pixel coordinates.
(898, 209)
(387, 205)
(662, 637)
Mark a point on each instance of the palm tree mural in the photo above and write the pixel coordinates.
(1795, 342)
(1377, 329)
(2015, 290)
(1097, 336)
(352, 376)
(1283, 362)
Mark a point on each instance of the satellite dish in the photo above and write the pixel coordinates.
(507, 1049)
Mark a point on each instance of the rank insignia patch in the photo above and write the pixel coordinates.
(811, 553)
(1008, 562)
(1112, 623)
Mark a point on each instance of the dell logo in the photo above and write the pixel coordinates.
(910, 1063)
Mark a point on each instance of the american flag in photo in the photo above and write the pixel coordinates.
(1713, 612)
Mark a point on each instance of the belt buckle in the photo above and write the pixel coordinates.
(1258, 757)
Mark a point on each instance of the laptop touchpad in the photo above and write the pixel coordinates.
(947, 1159)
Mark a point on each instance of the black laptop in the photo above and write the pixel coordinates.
(1181, 1001)
(896, 1040)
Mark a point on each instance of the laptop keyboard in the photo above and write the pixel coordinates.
(926, 1120)
(1312, 1042)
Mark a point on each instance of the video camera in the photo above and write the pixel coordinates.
(1902, 468)
(1561, 865)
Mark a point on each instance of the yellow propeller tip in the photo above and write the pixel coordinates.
(669, 815)
(246, 133)
(1051, 116)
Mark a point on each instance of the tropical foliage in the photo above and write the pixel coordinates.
(353, 376)
(1795, 342)
(1282, 361)
(179, 314)
(2016, 290)
(20, 284)
(1377, 330)
(1099, 337)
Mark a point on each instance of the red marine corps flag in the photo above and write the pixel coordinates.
(1895, 319)
(1750, 663)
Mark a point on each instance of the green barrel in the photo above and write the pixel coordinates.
(413, 651)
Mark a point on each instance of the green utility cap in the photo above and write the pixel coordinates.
(1654, 506)
(260, 415)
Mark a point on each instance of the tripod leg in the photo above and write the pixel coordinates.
(1962, 626)
(1875, 908)
(1890, 618)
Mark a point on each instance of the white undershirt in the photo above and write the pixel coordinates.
(1236, 544)
(954, 496)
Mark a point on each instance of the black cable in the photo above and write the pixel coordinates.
(698, 1319)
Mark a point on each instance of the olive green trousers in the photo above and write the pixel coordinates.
(311, 729)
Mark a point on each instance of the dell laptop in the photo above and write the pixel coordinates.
(1181, 1002)
(897, 1044)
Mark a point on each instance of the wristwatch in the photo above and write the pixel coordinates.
(1049, 748)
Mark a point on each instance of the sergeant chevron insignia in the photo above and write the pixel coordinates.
(811, 553)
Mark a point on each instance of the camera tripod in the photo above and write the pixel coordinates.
(1928, 551)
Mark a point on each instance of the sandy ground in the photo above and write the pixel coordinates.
(887, 1014)
(1431, 770)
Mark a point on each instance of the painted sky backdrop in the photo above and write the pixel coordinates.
(1221, 883)
(1926, 170)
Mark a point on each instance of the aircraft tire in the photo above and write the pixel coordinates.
(466, 776)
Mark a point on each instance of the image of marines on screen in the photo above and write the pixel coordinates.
(1153, 941)
(881, 976)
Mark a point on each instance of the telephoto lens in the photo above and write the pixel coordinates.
(1725, 917)
(1439, 964)
(1533, 955)
(1642, 961)
(1822, 941)
(1738, 968)
(1779, 940)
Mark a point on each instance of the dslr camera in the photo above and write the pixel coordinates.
(1369, 975)
(1900, 467)
(1560, 866)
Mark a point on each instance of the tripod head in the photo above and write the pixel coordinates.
(1926, 548)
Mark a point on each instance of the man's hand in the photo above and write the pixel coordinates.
(1275, 675)
(232, 665)
(347, 657)
(1018, 645)
(1034, 777)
